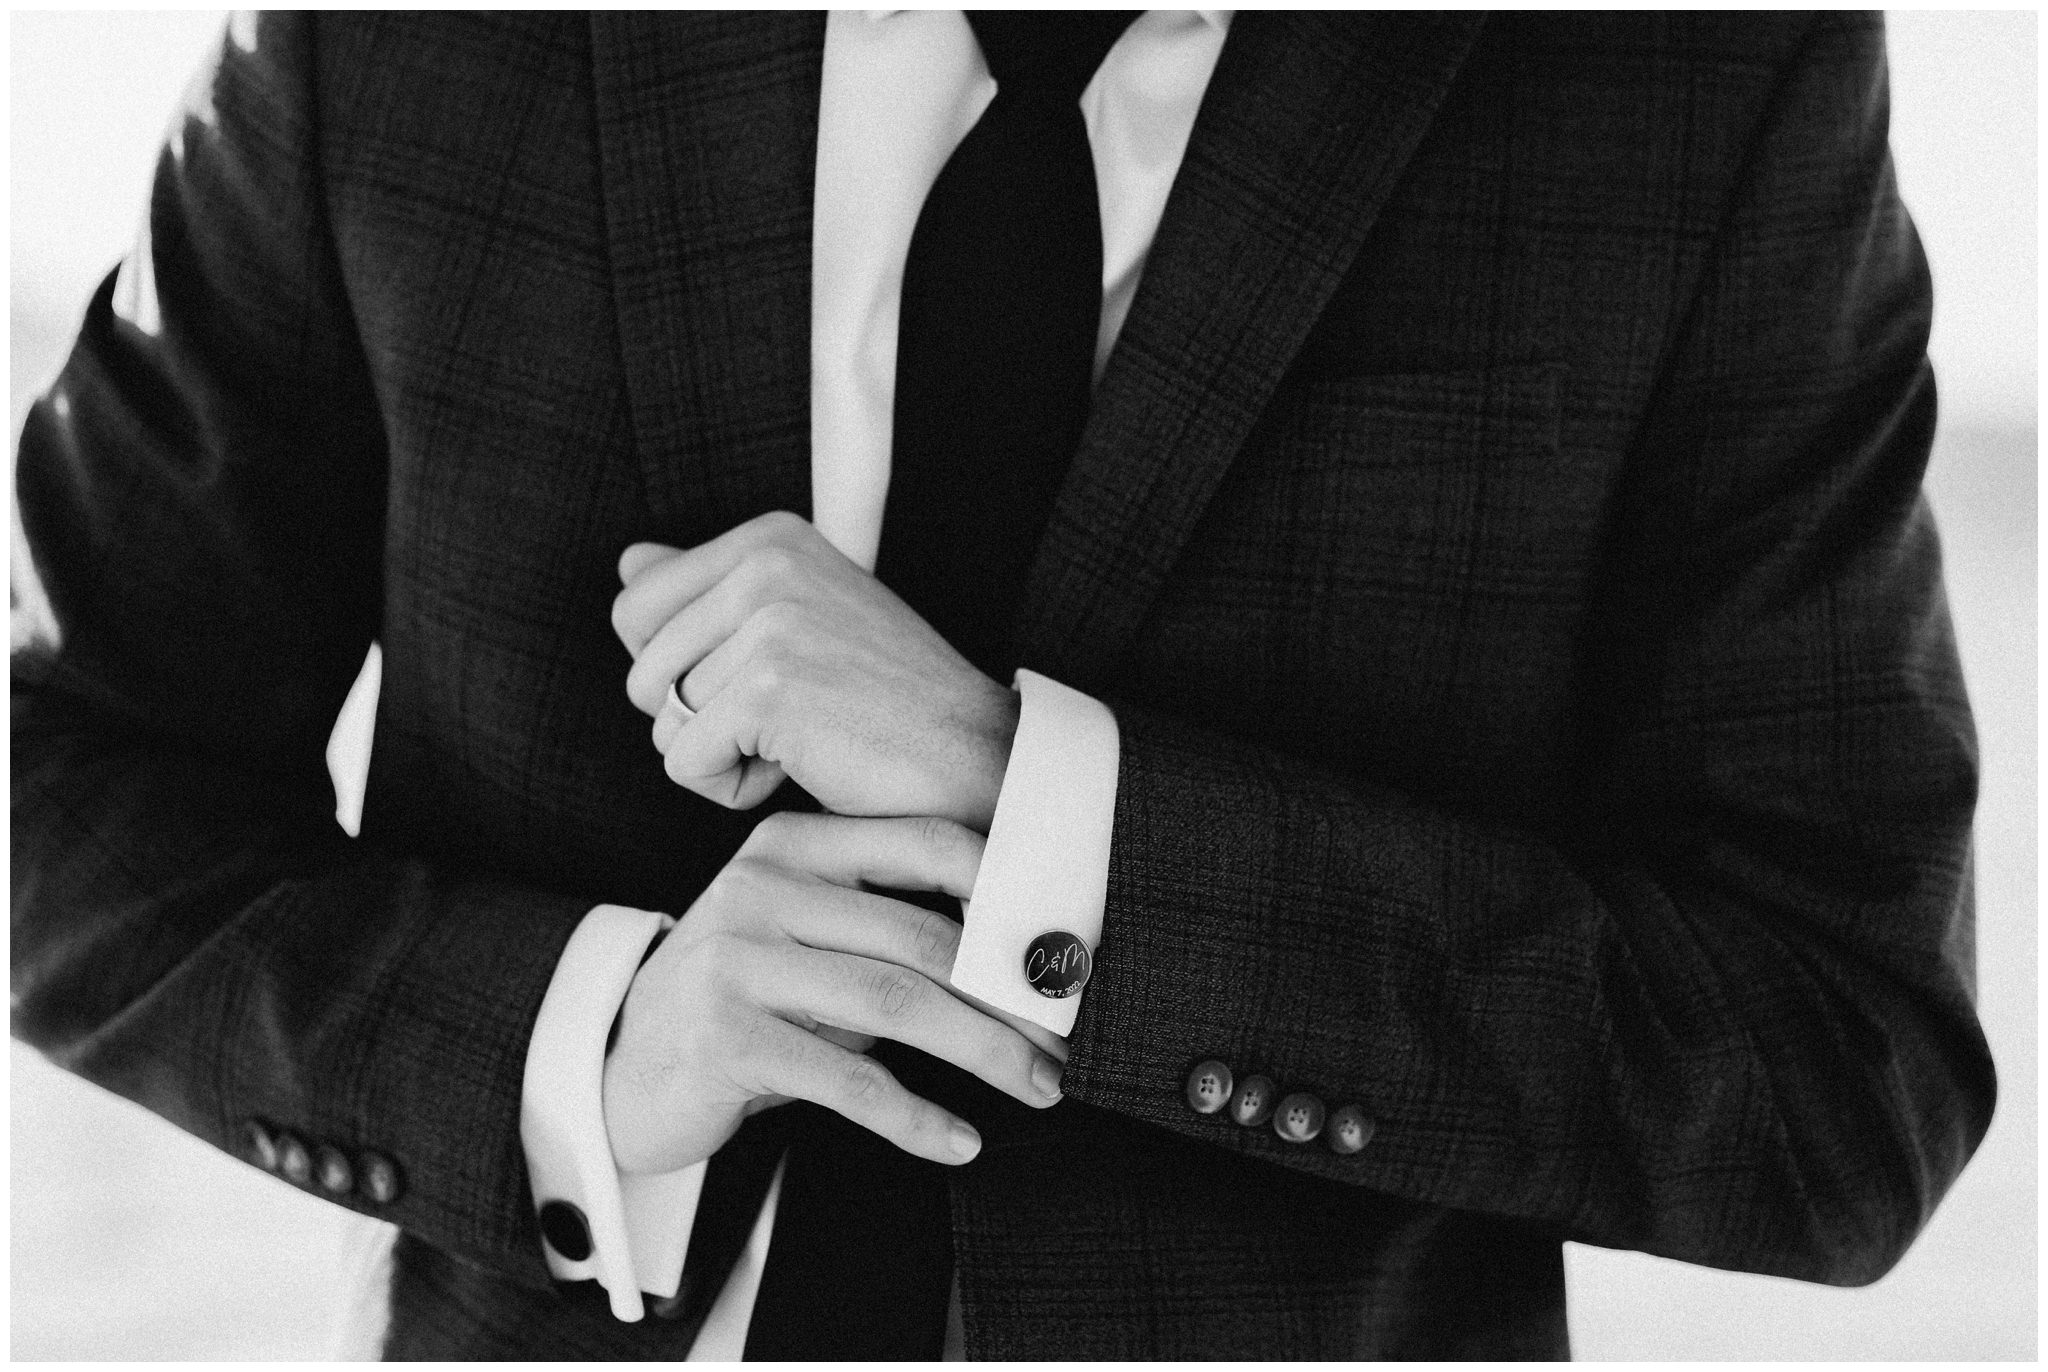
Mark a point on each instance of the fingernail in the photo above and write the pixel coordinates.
(1045, 1075)
(965, 1142)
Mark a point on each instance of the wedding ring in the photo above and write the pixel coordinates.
(675, 699)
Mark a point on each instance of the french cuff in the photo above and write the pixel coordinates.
(1036, 917)
(628, 1233)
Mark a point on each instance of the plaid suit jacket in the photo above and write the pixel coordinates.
(1498, 534)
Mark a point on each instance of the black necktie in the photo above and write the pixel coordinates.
(1002, 297)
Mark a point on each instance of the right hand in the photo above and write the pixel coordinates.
(783, 974)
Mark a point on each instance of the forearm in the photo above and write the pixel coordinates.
(1640, 1055)
(202, 940)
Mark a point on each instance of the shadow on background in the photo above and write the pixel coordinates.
(130, 1239)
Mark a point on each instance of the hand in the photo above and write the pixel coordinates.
(798, 662)
(784, 973)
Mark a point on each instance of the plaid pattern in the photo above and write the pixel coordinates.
(1498, 534)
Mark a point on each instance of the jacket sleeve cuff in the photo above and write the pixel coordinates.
(1046, 867)
(637, 1227)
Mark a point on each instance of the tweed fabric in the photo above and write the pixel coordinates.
(1497, 532)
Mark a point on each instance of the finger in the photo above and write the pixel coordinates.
(1048, 1043)
(910, 854)
(667, 722)
(715, 753)
(834, 917)
(638, 557)
(838, 919)
(892, 931)
(800, 1064)
(662, 588)
(845, 1038)
(705, 623)
(893, 1002)
(716, 671)
(741, 787)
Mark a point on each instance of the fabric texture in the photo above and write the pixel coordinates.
(1497, 531)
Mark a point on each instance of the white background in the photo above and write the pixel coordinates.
(131, 1240)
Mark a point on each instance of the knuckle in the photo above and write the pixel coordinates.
(865, 1080)
(718, 950)
(779, 622)
(895, 992)
(771, 565)
(748, 1050)
(783, 523)
(931, 940)
(933, 833)
(945, 840)
(767, 684)
(739, 885)
(773, 833)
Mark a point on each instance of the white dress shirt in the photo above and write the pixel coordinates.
(900, 90)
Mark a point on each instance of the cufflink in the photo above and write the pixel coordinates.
(675, 699)
(565, 1229)
(1056, 964)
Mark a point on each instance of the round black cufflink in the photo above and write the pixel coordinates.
(565, 1229)
(1057, 964)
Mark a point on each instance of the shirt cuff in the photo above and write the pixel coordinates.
(1046, 866)
(638, 1227)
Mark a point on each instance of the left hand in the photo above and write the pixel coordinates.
(797, 662)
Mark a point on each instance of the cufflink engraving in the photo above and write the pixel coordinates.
(1057, 964)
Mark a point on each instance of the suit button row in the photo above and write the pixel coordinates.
(322, 1166)
(1297, 1117)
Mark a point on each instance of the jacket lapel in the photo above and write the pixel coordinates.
(708, 137)
(1307, 124)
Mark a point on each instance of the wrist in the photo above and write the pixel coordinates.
(994, 733)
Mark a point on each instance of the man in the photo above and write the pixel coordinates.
(1541, 778)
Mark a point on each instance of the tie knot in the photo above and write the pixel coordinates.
(1051, 51)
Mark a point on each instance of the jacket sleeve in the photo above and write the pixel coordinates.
(203, 491)
(1721, 1008)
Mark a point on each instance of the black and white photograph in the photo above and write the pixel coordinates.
(1058, 685)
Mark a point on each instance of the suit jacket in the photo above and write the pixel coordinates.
(1498, 534)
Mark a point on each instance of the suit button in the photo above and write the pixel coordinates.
(378, 1178)
(563, 1226)
(262, 1147)
(1209, 1087)
(293, 1161)
(1251, 1105)
(1299, 1118)
(336, 1178)
(1351, 1129)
